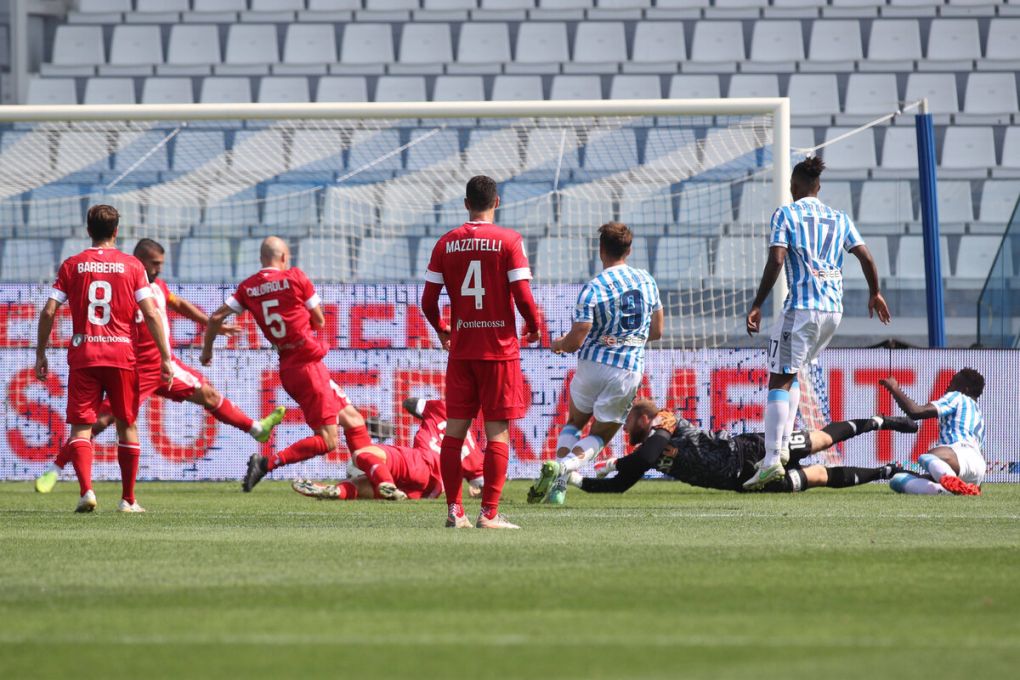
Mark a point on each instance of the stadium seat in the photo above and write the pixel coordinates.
(134, 51)
(205, 260)
(309, 48)
(194, 149)
(599, 46)
(776, 46)
(910, 262)
(899, 153)
(168, 91)
(277, 5)
(541, 48)
(342, 89)
(853, 275)
(220, 5)
(31, 151)
(636, 87)
(170, 219)
(885, 207)
(368, 146)
(894, 45)
(563, 260)
(384, 260)
(162, 6)
(658, 47)
(482, 48)
(77, 50)
(838, 196)
(851, 157)
(424, 48)
(939, 89)
(390, 5)
(813, 98)
(998, 201)
(705, 204)
(350, 208)
(434, 149)
(366, 45)
(51, 91)
(70, 247)
(284, 89)
(248, 260)
(55, 211)
(953, 44)
(718, 44)
(754, 85)
(325, 259)
(647, 209)
(1003, 38)
(967, 152)
(661, 143)
(87, 152)
(289, 210)
(583, 207)
(225, 90)
(233, 216)
(974, 260)
(868, 96)
(1010, 165)
(991, 98)
(192, 49)
(407, 205)
(440, 5)
(458, 89)
(257, 155)
(517, 88)
(681, 262)
(576, 87)
(956, 206)
(317, 152)
(757, 203)
(526, 207)
(694, 87)
(612, 151)
(104, 6)
(835, 46)
(250, 45)
(127, 199)
(12, 215)
(109, 91)
(547, 151)
(400, 89)
(494, 152)
(149, 146)
(27, 259)
(740, 259)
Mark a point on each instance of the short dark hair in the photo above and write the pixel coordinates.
(808, 170)
(102, 221)
(615, 239)
(147, 245)
(970, 382)
(481, 193)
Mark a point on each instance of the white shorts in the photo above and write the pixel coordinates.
(972, 463)
(799, 337)
(604, 390)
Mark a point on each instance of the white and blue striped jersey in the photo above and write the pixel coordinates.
(618, 303)
(960, 420)
(816, 237)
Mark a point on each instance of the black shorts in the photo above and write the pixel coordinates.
(751, 448)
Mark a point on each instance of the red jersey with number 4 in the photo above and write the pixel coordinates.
(279, 301)
(146, 351)
(477, 262)
(103, 287)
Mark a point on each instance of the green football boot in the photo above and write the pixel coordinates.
(45, 482)
(269, 422)
(540, 489)
(558, 493)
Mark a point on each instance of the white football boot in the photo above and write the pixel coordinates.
(87, 503)
(497, 522)
(129, 507)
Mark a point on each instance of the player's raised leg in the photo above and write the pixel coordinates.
(228, 413)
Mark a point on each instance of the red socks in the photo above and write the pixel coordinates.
(357, 438)
(375, 468)
(449, 467)
(348, 491)
(306, 448)
(497, 457)
(128, 456)
(227, 412)
(79, 453)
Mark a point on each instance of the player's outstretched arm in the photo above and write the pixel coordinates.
(191, 311)
(46, 318)
(571, 342)
(212, 329)
(876, 303)
(909, 406)
(773, 266)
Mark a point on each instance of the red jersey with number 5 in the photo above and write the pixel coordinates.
(279, 301)
(103, 287)
(477, 262)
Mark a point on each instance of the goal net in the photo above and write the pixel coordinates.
(362, 192)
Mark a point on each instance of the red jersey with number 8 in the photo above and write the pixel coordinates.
(477, 262)
(103, 287)
(279, 301)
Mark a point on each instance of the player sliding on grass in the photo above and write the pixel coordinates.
(103, 288)
(718, 461)
(187, 385)
(815, 236)
(616, 314)
(410, 471)
(287, 309)
(955, 465)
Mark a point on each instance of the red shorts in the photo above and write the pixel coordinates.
(495, 387)
(186, 381)
(415, 472)
(85, 389)
(309, 385)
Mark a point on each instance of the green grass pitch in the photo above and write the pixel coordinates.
(663, 582)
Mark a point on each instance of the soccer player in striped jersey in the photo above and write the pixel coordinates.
(955, 465)
(617, 312)
(811, 238)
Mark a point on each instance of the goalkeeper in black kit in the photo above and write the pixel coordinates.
(676, 448)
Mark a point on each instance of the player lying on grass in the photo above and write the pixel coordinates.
(187, 385)
(616, 314)
(955, 465)
(401, 472)
(677, 448)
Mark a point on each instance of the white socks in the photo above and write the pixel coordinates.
(777, 413)
(936, 467)
(567, 440)
(584, 450)
(575, 478)
(256, 428)
(791, 419)
(919, 486)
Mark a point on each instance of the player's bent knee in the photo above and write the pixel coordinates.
(899, 482)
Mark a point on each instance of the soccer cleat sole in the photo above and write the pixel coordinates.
(540, 489)
(958, 487)
(390, 492)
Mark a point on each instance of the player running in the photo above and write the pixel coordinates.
(485, 272)
(955, 465)
(718, 461)
(103, 288)
(616, 314)
(287, 310)
(187, 385)
(402, 472)
(816, 237)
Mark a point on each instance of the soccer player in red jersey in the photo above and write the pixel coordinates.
(485, 272)
(287, 310)
(188, 384)
(400, 472)
(103, 287)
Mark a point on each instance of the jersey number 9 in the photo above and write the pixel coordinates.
(633, 313)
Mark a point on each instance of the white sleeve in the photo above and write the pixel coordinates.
(313, 302)
(433, 277)
(143, 293)
(58, 295)
(234, 304)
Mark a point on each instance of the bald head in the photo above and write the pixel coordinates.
(275, 253)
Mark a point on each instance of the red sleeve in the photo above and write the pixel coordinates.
(430, 306)
(517, 267)
(434, 273)
(525, 302)
(309, 297)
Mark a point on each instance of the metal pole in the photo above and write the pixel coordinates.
(19, 50)
(930, 223)
(781, 185)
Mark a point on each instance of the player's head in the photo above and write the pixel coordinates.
(152, 255)
(481, 195)
(614, 241)
(968, 381)
(275, 253)
(804, 181)
(102, 221)
(639, 420)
